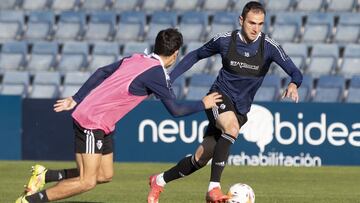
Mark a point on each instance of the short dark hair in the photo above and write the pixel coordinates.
(168, 41)
(252, 5)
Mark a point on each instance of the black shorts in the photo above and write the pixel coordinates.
(92, 141)
(212, 114)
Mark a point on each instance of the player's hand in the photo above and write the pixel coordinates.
(211, 100)
(291, 92)
(64, 104)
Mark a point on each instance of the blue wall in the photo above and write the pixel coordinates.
(10, 127)
(46, 134)
(285, 134)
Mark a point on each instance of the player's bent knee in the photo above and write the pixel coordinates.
(201, 163)
(102, 181)
(105, 179)
(87, 185)
(232, 130)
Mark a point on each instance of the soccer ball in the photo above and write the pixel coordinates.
(241, 193)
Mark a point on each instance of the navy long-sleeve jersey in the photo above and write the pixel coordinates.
(241, 89)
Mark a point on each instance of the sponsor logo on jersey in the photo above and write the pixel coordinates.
(244, 65)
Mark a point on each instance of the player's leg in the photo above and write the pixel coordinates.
(203, 154)
(61, 174)
(106, 170)
(190, 164)
(228, 121)
(41, 175)
(88, 164)
(185, 167)
(89, 150)
(86, 181)
(220, 155)
(228, 124)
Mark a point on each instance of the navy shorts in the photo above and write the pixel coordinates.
(212, 114)
(92, 141)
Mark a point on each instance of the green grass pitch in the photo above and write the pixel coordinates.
(271, 184)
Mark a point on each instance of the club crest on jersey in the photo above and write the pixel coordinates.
(99, 144)
(244, 65)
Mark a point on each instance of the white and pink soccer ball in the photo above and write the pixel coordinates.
(241, 193)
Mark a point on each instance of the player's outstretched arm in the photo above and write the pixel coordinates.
(183, 108)
(64, 104)
(291, 92)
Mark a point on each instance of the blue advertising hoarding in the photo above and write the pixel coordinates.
(276, 134)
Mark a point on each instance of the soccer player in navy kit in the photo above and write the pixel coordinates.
(246, 57)
(108, 95)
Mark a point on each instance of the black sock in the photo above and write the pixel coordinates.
(57, 175)
(185, 167)
(71, 173)
(221, 153)
(38, 197)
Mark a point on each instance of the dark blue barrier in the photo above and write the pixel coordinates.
(46, 135)
(10, 125)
